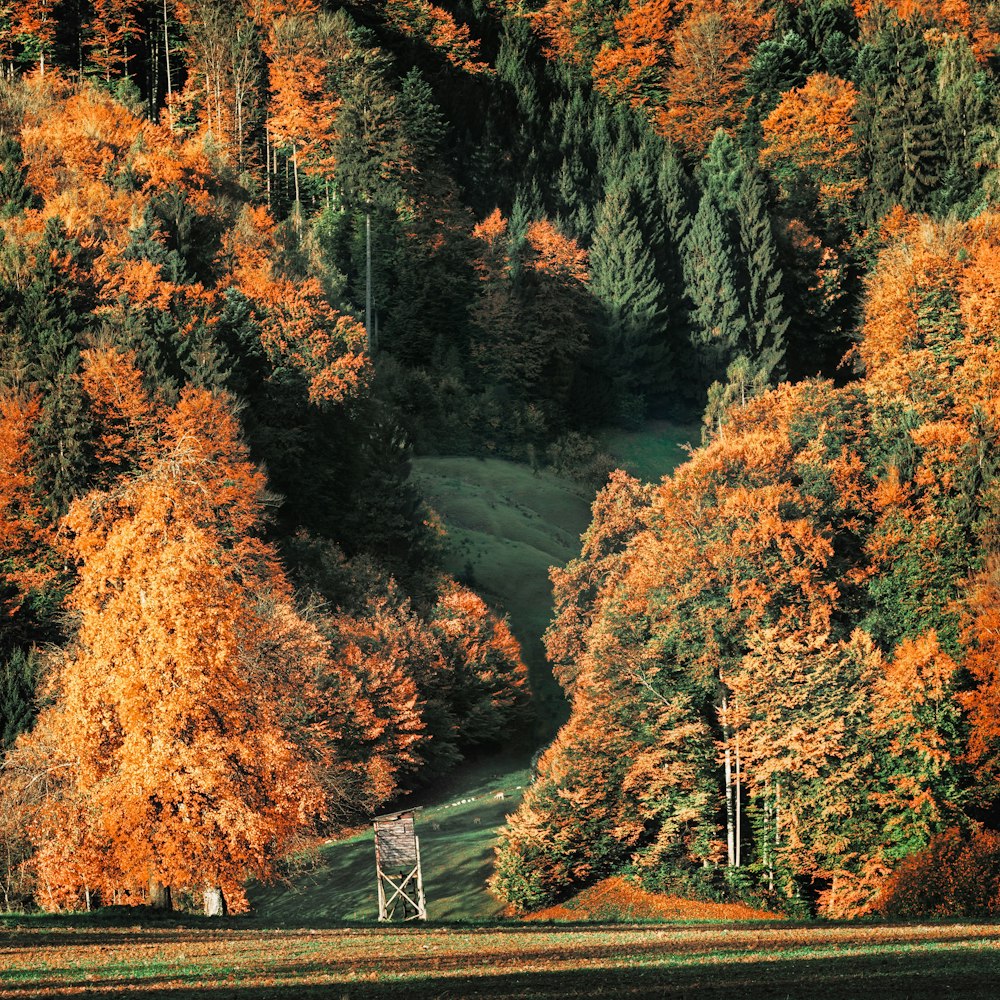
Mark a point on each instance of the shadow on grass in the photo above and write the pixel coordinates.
(893, 975)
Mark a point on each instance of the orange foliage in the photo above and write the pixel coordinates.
(303, 109)
(487, 681)
(809, 136)
(124, 416)
(617, 899)
(38, 21)
(113, 27)
(25, 534)
(169, 704)
(635, 69)
(981, 635)
(711, 52)
(582, 586)
(296, 320)
(94, 163)
(439, 29)
(955, 875)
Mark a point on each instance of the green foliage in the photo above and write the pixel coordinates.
(19, 675)
(712, 280)
(898, 118)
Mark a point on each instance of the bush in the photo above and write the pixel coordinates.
(577, 456)
(956, 875)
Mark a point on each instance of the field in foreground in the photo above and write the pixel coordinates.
(234, 960)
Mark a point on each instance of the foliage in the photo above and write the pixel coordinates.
(781, 661)
(955, 875)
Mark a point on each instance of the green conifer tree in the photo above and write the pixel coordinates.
(15, 195)
(624, 283)
(18, 678)
(767, 318)
(711, 274)
(898, 117)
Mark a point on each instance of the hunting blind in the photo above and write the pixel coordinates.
(397, 866)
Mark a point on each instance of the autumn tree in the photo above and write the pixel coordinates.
(711, 53)
(208, 787)
(809, 145)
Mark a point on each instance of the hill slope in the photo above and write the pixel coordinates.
(506, 526)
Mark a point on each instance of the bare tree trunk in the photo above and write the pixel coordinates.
(766, 847)
(159, 895)
(738, 792)
(166, 48)
(368, 282)
(730, 818)
(215, 903)
(777, 820)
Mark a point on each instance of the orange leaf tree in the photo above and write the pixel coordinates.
(169, 704)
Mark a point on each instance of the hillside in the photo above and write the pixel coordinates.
(506, 526)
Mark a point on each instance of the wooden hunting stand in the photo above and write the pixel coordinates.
(397, 865)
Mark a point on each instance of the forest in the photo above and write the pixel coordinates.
(254, 257)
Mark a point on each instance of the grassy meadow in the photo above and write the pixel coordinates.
(240, 960)
(506, 526)
(653, 450)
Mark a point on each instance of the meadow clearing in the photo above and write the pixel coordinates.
(242, 960)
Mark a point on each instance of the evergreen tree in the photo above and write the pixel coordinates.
(767, 318)
(721, 170)
(18, 678)
(829, 28)
(432, 273)
(779, 64)
(51, 315)
(624, 283)
(898, 118)
(711, 275)
(15, 196)
(966, 96)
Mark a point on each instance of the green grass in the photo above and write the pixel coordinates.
(506, 526)
(654, 450)
(457, 829)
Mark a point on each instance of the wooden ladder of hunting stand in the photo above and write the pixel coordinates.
(397, 865)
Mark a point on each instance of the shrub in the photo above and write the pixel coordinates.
(956, 875)
(578, 456)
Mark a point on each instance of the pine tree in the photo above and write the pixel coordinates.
(15, 195)
(624, 283)
(51, 315)
(18, 677)
(721, 171)
(778, 65)
(965, 96)
(898, 118)
(767, 318)
(711, 277)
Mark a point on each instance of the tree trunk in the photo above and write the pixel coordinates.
(159, 895)
(368, 282)
(738, 795)
(215, 903)
(730, 819)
